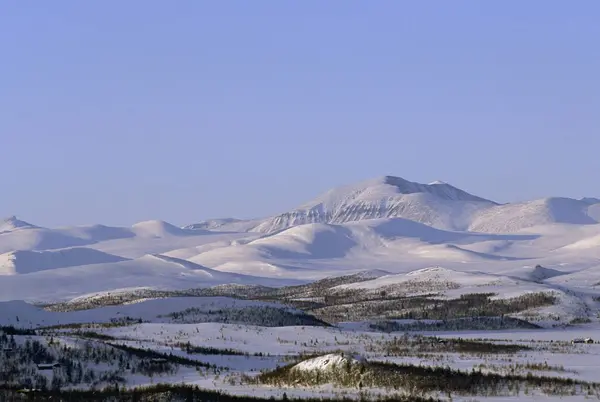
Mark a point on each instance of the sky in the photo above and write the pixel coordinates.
(116, 112)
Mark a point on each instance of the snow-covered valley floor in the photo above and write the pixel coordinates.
(232, 357)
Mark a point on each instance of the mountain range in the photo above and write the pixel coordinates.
(388, 224)
(437, 204)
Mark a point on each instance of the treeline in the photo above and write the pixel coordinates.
(458, 324)
(407, 345)
(265, 316)
(428, 307)
(10, 330)
(169, 393)
(117, 299)
(25, 363)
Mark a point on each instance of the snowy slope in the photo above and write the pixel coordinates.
(13, 223)
(36, 238)
(24, 262)
(22, 314)
(514, 217)
(151, 271)
(438, 204)
(304, 249)
(225, 225)
(148, 237)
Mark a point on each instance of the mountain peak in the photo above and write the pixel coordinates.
(440, 205)
(13, 223)
(437, 188)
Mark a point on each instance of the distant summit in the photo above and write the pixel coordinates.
(13, 223)
(437, 188)
(438, 204)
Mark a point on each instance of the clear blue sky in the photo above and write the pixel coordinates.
(119, 111)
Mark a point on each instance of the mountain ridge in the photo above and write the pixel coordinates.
(436, 204)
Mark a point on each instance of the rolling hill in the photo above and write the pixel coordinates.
(26, 261)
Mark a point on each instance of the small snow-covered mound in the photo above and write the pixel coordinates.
(451, 252)
(26, 261)
(191, 252)
(212, 224)
(224, 225)
(422, 281)
(448, 282)
(533, 273)
(257, 268)
(97, 233)
(35, 238)
(157, 228)
(329, 362)
(313, 240)
(591, 242)
(515, 217)
(586, 278)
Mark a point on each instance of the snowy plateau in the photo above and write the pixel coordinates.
(381, 290)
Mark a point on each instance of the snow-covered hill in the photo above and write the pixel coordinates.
(25, 261)
(514, 217)
(29, 237)
(22, 314)
(16, 234)
(152, 271)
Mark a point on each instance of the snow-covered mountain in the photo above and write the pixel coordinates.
(387, 223)
(437, 204)
(13, 223)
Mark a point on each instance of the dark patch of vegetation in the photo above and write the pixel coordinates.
(96, 335)
(152, 354)
(580, 320)
(167, 392)
(430, 307)
(117, 299)
(323, 304)
(113, 323)
(458, 324)
(10, 330)
(250, 315)
(410, 345)
(207, 350)
(23, 364)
